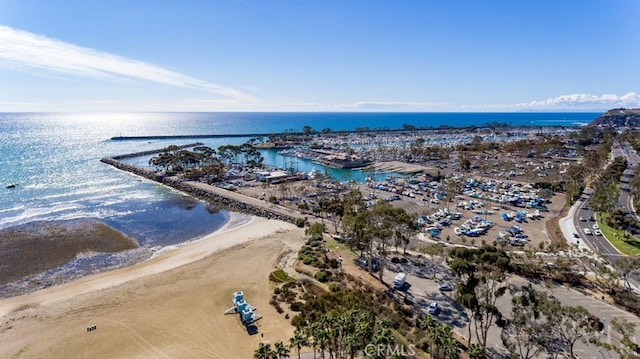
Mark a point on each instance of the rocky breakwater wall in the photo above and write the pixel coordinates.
(153, 152)
(216, 198)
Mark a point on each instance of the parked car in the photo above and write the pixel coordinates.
(399, 280)
(433, 308)
(446, 287)
(364, 264)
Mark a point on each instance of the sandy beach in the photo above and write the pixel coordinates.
(170, 306)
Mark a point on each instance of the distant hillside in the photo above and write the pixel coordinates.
(619, 117)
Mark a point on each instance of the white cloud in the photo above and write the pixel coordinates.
(39, 52)
(581, 100)
(394, 105)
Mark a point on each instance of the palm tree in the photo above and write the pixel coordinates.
(450, 348)
(281, 351)
(263, 352)
(427, 323)
(477, 351)
(298, 341)
(439, 337)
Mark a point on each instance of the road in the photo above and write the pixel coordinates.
(584, 218)
(422, 289)
(584, 221)
(626, 151)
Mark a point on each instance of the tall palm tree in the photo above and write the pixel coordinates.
(298, 341)
(281, 351)
(312, 339)
(263, 352)
(438, 337)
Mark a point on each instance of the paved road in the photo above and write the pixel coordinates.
(423, 289)
(626, 151)
(584, 221)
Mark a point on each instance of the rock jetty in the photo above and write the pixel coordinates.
(219, 197)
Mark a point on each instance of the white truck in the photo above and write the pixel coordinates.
(399, 280)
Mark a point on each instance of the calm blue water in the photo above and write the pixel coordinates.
(55, 160)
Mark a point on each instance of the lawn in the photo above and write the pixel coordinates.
(334, 245)
(616, 237)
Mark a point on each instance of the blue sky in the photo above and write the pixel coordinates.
(308, 55)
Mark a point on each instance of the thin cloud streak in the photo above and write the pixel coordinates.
(391, 106)
(39, 52)
(582, 100)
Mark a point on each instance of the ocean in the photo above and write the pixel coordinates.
(54, 160)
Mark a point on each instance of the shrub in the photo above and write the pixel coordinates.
(335, 286)
(298, 321)
(301, 222)
(296, 306)
(323, 276)
(277, 291)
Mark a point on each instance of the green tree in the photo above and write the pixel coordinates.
(568, 325)
(298, 341)
(525, 333)
(280, 350)
(483, 273)
(477, 351)
(432, 250)
(264, 351)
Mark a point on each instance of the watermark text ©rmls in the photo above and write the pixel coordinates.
(390, 350)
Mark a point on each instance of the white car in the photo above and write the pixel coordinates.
(597, 232)
(433, 308)
(586, 231)
(595, 226)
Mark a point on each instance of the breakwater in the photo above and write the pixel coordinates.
(219, 197)
(180, 137)
(152, 152)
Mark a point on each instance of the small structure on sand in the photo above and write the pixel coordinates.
(240, 306)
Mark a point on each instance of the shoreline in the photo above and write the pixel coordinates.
(231, 201)
(237, 231)
(169, 306)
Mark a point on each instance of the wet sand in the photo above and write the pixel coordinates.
(168, 306)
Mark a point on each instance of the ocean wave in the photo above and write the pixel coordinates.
(61, 213)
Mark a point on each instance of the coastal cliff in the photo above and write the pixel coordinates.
(619, 117)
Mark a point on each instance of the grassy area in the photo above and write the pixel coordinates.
(280, 276)
(616, 237)
(334, 245)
